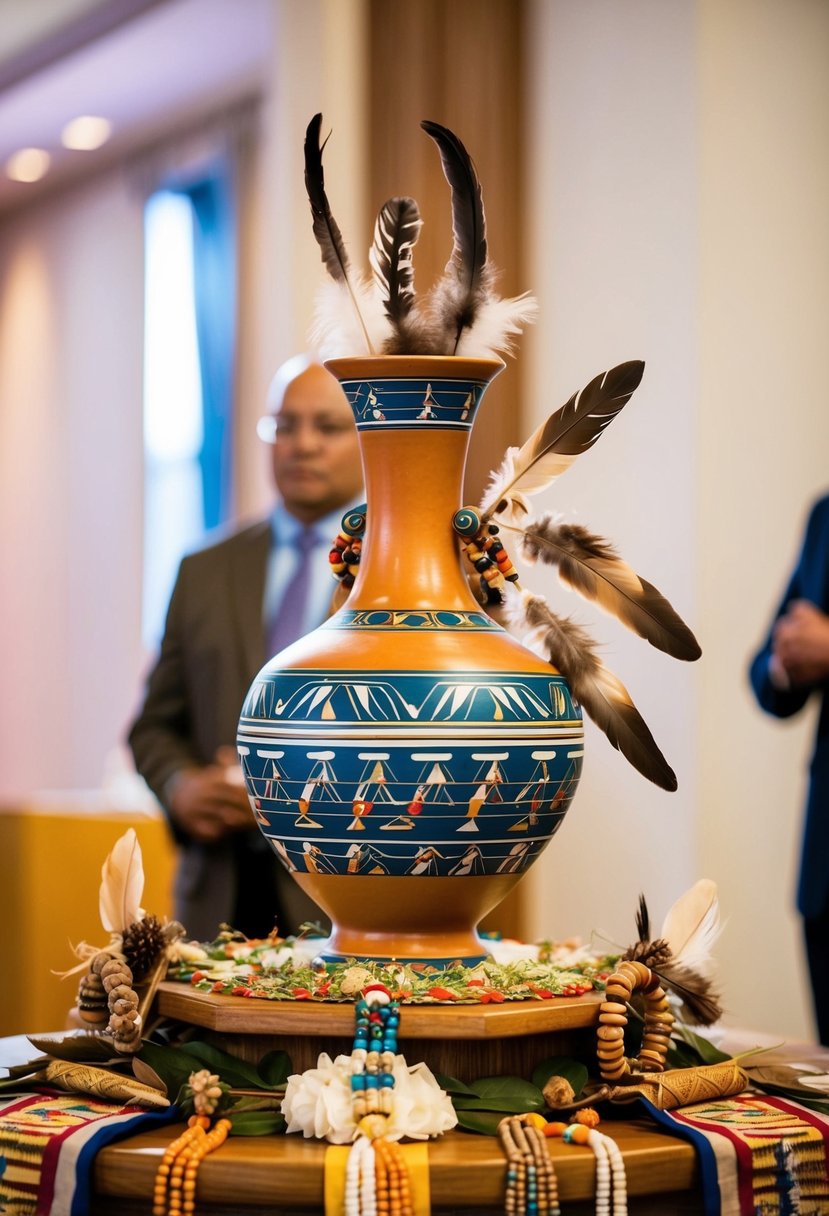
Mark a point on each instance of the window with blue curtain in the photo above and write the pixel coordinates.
(189, 358)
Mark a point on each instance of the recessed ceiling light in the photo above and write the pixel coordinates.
(86, 133)
(28, 165)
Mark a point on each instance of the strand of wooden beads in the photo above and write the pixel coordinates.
(542, 1185)
(515, 1198)
(196, 1126)
(631, 977)
(394, 1197)
(198, 1151)
(532, 1186)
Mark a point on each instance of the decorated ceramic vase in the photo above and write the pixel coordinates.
(410, 759)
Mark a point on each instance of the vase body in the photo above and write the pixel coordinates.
(409, 759)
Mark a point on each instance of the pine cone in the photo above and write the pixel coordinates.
(142, 943)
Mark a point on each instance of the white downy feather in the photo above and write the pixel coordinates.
(122, 884)
(496, 326)
(692, 926)
(336, 331)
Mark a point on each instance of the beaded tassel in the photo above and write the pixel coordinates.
(377, 1181)
(532, 1187)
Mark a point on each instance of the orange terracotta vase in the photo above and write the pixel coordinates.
(410, 759)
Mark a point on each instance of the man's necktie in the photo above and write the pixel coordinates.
(287, 624)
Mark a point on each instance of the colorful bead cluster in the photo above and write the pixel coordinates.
(344, 555)
(532, 1187)
(485, 551)
(376, 1180)
(375, 1046)
(628, 978)
(174, 1193)
(531, 1183)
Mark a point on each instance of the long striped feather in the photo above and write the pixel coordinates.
(554, 445)
(326, 229)
(591, 566)
(468, 276)
(599, 692)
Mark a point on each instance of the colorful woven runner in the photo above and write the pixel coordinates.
(48, 1142)
(759, 1156)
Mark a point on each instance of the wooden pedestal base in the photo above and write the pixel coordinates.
(463, 1041)
(467, 1173)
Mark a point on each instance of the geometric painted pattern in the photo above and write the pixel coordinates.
(406, 404)
(409, 773)
(416, 620)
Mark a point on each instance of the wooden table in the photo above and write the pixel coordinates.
(467, 1172)
(283, 1175)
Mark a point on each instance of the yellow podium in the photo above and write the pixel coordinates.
(52, 847)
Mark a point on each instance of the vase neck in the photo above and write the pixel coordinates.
(411, 556)
(414, 415)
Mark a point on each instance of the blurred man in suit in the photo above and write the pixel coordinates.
(227, 614)
(792, 664)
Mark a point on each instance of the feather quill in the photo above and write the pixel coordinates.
(604, 698)
(326, 229)
(122, 884)
(553, 446)
(591, 566)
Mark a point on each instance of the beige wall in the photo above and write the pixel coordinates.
(680, 196)
(763, 438)
(612, 194)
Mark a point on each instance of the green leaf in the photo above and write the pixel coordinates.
(485, 1123)
(505, 1105)
(453, 1086)
(561, 1066)
(256, 1123)
(681, 1055)
(275, 1068)
(171, 1064)
(235, 1072)
(521, 1095)
(708, 1053)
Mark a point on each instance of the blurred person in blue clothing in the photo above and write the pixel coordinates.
(791, 666)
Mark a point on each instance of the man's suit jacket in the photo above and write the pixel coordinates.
(213, 646)
(810, 581)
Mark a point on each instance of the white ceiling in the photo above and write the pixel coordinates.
(175, 60)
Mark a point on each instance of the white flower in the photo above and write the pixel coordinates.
(318, 1102)
(421, 1109)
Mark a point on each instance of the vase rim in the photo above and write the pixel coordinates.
(422, 366)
